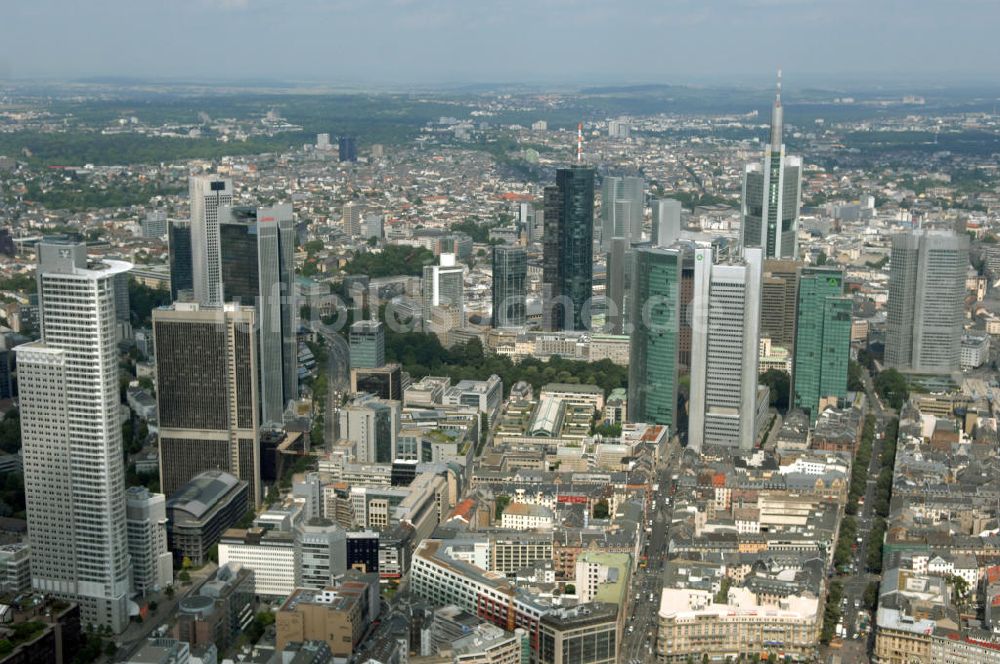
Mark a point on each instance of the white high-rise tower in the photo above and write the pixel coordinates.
(724, 351)
(443, 295)
(622, 203)
(926, 308)
(74, 477)
(208, 193)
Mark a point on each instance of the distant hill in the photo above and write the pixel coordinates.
(629, 89)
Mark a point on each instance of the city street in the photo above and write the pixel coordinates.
(639, 640)
(855, 585)
(135, 636)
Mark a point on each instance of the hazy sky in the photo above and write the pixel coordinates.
(443, 41)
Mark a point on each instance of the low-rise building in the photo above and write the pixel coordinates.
(201, 511)
(975, 350)
(614, 347)
(15, 568)
(489, 644)
(523, 516)
(776, 613)
(587, 395)
(339, 615)
(48, 633)
(269, 554)
(583, 634)
(603, 577)
(486, 395)
(218, 611)
(146, 526)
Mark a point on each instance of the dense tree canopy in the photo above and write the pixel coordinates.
(780, 385)
(893, 387)
(391, 261)
(422, 354)
(142, 301)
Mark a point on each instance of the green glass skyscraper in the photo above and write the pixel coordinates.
(822, 340)
(367, 341)
(655, 339)
(568, 249)
(510, 283)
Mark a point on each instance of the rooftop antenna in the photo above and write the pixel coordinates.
(579, 142)
(777, 117)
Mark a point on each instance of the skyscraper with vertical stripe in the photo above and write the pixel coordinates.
(926, 301)
(568, 250)
(74, 477)
(622, 204)
(654, 354)
(258, 270)
(510, 286)
(724, 353)
(207, 194)
(822, 339)
(772, 192)
(207, 393)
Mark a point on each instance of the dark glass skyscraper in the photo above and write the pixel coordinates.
(181, 271)
(258, 269)
(510, 283)
(568, 249)
(348, 148)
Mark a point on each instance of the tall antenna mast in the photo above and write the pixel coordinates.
(579, 143)
(777, 117)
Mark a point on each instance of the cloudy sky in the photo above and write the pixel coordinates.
(546, 41)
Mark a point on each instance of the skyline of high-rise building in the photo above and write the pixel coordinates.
(926, 301)
(509, 286)
(258, 269)
(146, 520)
(366, 339)
(822, 339)
(372, 424)
(622, 205)
(347, 148)
(180, 260)
(568, 250)
(207, 383)
(666, 227)
(779, 300)
(71, 434)
(772, 193)
(351, 215)
(617, 292)
(207, 193)
(443, 294)
(654, 354)
(725, 348)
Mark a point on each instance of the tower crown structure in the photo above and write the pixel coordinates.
(777, 117)
(772, 193)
